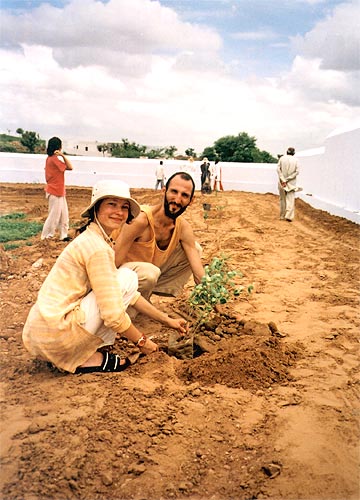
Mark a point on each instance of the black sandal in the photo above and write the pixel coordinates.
(111, 363)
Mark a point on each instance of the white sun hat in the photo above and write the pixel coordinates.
(112, 189)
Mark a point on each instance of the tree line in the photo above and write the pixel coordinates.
(239, 148)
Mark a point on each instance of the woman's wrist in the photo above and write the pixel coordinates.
(141, 341)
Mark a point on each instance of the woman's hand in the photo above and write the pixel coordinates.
(58, 152)
(179, 324)
(149, 347)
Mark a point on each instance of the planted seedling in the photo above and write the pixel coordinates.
(217, 286)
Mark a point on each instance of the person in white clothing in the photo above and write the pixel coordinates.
(212, 176)
(218, 182)
(160, 175)
(287, 170)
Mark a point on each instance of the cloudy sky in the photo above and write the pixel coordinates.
(180, 72)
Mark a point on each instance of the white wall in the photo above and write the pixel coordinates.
(138, 173)
(330, 176)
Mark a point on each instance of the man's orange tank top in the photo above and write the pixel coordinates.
(148, 251)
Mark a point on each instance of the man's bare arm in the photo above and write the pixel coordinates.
(187, 240)
(128, 234)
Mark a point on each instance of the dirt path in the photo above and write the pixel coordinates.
(262, 415)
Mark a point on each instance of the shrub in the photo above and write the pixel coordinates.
(15, 227)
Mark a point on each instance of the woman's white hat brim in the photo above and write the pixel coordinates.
(112, 189)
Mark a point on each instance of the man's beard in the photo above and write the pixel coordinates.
(172, 215)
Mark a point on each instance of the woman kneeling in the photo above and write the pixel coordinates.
(82, 303)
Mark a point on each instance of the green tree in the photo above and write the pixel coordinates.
(155, 153)
(170, 151)
(102, 148)
(265, 157)
(210, 153)
(127, 149)
(29, 140)
(190, 152)
(240, 148)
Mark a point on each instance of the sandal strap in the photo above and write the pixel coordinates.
(111, 363)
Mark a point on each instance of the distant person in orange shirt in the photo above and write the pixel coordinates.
(58, 218)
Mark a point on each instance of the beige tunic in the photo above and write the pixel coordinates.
(53, 330)
(288, 170)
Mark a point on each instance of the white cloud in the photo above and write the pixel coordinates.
(121, 36)
(323, 85)
(335, 40)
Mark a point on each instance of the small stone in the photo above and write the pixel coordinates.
(104, 435)
(272, 469)
(183, 486)
(273, 327)
(137, 469)
(38, 263)
(106, 478)
(217, 437)
(35, 428)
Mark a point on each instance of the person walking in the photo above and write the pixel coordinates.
(160, 175)
(81, 306)
(287, 170)
(58, 217)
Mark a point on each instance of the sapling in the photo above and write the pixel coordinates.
(216, 287)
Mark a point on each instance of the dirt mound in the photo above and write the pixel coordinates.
(245, 362)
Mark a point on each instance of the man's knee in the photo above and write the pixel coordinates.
(149, 276)
(147, 273)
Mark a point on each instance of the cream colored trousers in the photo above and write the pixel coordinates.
(93, 322)
(58, 217)
(169, 279)
(287, 204)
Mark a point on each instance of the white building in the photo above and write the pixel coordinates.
(83, 148)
